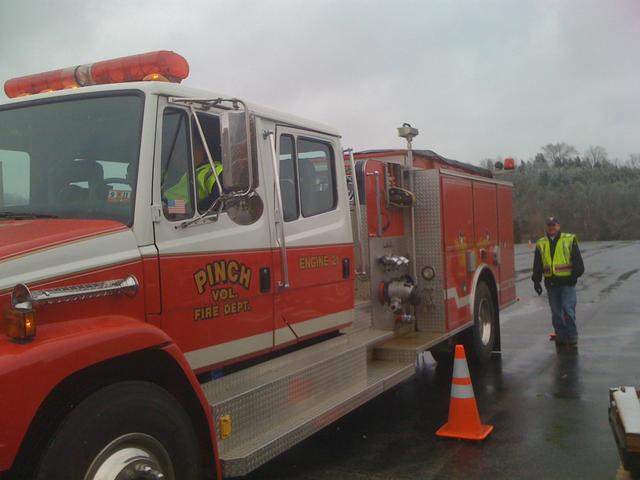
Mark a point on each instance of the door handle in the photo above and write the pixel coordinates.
(346, 268)
(265, 279)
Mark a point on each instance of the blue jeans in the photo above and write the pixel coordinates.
(562, 300)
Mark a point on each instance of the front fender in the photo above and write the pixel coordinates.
(30, 371)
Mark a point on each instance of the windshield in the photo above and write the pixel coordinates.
(72, 158)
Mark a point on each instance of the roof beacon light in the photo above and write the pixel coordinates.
(509, 164)
(162, 65)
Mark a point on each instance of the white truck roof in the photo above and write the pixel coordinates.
(178, 90)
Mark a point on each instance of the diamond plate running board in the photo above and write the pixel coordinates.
(245, 458)
(276, 404)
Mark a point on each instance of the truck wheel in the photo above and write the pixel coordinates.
(129, 430)
(481, 337)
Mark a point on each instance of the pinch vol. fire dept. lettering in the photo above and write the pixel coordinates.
(222, 272)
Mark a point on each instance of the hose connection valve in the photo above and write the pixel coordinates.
(398, 293)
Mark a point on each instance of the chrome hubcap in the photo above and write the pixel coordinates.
(486, 321)
(134, 456)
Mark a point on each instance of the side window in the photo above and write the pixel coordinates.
(206, 189)
(176, 174)
(288, 184)
(15, 177)
(316, 177)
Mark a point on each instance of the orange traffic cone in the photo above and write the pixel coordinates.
(464, 421)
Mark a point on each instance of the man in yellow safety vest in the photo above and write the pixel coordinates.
(557, 258)
(206, 189)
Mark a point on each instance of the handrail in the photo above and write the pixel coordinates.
(376, 174)
(279, 211)
(361, 269)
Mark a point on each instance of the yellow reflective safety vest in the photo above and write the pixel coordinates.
(205, 183)
(560, 264)
(206, 180)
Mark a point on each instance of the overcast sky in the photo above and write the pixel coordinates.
(479, 79)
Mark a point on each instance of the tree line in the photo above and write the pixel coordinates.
(595, 197)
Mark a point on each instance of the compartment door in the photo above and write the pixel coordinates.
(458, 238)
(507, 277)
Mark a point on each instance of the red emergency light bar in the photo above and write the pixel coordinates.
(161, 65)
(509, 164)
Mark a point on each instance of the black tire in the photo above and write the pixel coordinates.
(128, 419)
(482, 335)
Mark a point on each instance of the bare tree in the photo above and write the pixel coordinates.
(596, 155)
(558, 153)
(539, 161)
(634, 160)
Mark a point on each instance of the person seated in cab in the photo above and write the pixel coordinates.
(206, 189)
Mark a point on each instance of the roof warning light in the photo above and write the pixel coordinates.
(159, 66)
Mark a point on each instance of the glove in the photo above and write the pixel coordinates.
(538, 288)
(573, 279)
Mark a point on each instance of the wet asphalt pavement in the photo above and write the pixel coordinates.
(549, 408)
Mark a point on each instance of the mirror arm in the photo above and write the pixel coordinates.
(218, 202)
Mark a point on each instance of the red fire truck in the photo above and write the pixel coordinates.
(191, 284)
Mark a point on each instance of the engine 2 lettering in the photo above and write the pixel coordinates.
(314, 261)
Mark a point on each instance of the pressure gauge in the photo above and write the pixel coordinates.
(428, 273)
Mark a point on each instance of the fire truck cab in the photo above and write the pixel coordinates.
(191, 284)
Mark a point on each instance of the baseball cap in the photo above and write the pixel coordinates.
(551, 220)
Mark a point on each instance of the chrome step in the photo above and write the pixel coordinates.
(407, 347)
(275, 405)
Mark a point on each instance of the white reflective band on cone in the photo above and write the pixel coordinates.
(460, 368)
(461, 391)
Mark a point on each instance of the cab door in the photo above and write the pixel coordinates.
(217, 300)
(318, 237)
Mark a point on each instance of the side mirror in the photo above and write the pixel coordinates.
(237, 152)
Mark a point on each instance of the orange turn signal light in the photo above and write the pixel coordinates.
(20, 323)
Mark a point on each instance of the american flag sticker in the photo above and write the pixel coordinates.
(176, 207)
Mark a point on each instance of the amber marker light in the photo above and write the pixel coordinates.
(20, 318)
(155, 77)
(20, 323)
